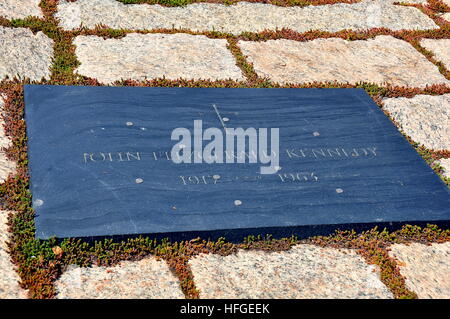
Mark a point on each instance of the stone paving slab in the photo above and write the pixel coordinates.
(445, 163)
(305, 271)
(446, 16)
(425, 118)
(426, 268)
(440, 49)
(24, 54)
(144, 279)
(411, 1)
(6, 166)
(381, 60)
(149, 56)
(9, 279)
(20, 9)
(242, 17)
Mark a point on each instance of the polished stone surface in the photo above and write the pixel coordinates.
(100, 164)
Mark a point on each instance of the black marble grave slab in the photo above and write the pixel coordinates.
(99, 160)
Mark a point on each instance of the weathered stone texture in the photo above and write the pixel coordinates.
(6, 166)
(440, 49)
(149, 56)
(144, 279)
(425, 118)
(305, 271)
(9, 279)
(446, 16)
(445, 163)
(426, 268)
(242, 17)
(24, 54)
(20, 9)
(382, 60)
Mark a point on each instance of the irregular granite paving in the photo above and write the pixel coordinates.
(144, 279)
(382, 60)
(445, 163)
(426, 268)
(425, 118)
(440, 49)
(24, 54)
(446, 16)
(412, 1)
(149, 56)
(305, 271)
(20, 9)
(242, 17)
(9, 279)
(6, 166)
